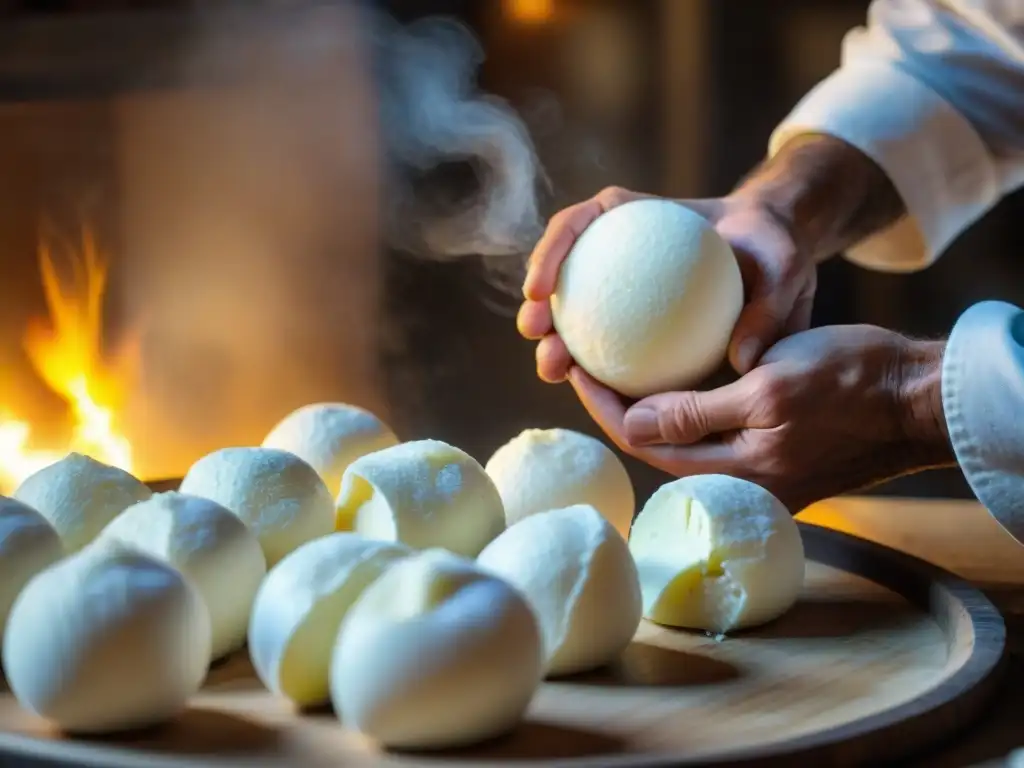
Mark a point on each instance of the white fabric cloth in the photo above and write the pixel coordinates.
(933, 91)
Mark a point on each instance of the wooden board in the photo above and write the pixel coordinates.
(883, 655)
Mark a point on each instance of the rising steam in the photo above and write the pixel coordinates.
(433, 115)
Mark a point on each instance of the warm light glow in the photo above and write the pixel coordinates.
(66, 351)
(530, 11)
(827, 515)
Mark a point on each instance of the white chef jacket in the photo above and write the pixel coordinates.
(934, 93)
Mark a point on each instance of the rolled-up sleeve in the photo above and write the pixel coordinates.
(932, 92)
(983, 402)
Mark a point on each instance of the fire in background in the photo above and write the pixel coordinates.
(67, 353)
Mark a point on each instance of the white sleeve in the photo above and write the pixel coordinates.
(931, 90)
(983, 402)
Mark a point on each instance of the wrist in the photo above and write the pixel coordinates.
(825, 192)
(923, 425)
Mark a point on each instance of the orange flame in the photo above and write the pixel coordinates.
(66, 351)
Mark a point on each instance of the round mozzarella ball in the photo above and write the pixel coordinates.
(576, 572)
(647, 298)
(28, 545)
(301, 605)
(108, 639)
(277, 494)
(425, 494)
(79, 496)
(544, 469)
(207, 543)
(716, 553)
(436, 654)
(329, 437)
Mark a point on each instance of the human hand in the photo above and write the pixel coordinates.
(826, 411)
(779, 278)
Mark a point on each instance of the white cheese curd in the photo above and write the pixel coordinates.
(647, 298)
(423, 493)
(207, 543)
(277, 494)
(301, 605)
(436, 654)
(576, 572)
(716, 553)
(108, 639)
(542, 469)
(329, 437)
(28, 545)
(79, 496)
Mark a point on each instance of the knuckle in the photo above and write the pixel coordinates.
(773, 393)
(684, 420)
(609, 197)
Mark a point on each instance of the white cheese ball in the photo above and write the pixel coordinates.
(277, 494)
(576, 572)
(208, 544)
(28, 545)
(542, 469)
(436, 654)
(79, 496)
(716, 553)
(425, 494)
(648, 297)
(106, 640)
(301, 605)
(329, 437)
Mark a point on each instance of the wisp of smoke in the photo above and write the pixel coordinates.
(463, 176)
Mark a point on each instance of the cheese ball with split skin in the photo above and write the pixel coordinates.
(716, 553)
(329, 437)
(425, 494)
(542, 469)
(28, 545)
(79, 496)
(576, 572)
(278, 495)
(109, 639)
(436, 654)
(648, 297)
(301, 605)
(207, 543)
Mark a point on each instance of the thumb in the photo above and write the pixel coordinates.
(682, 418)
(760, 325)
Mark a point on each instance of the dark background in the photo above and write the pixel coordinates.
(676, 97)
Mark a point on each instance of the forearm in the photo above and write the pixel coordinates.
(827, 193)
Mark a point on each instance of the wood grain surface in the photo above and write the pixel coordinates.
(883, 656)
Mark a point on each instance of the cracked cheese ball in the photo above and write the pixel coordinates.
(716, 553)
(425, 494)
(301, 605)
(28, 545)
(647, 298)
(79, 496)
(542, 469)
(436, 654)
(576, 572)
(208, 544)
(277, 494)
(329, 437)
(106, 640)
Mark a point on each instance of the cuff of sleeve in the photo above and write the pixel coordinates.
(983, 402)
(931, 153)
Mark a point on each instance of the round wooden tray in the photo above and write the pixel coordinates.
(884, 655)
